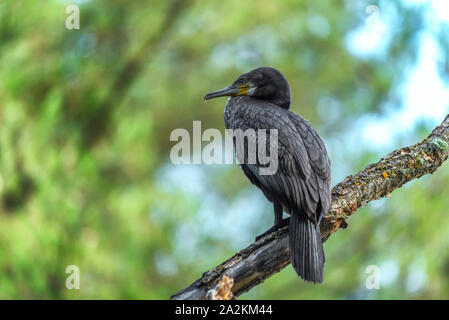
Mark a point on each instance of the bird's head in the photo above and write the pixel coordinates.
(263, 83)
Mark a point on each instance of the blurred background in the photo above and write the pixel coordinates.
(85, 123)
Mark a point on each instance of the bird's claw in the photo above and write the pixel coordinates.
(275, 227)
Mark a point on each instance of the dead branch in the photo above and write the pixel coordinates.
(270, 254)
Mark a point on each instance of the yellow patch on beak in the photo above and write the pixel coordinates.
(243, 90)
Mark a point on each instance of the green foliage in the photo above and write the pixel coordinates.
(85, 120)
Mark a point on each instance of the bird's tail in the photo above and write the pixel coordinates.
(306, 248)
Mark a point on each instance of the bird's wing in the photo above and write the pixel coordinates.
(319, 159)
(295, 182)
(314, 145)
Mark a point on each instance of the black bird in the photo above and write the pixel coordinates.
(260, 99)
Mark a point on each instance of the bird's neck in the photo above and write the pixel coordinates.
(281, 103)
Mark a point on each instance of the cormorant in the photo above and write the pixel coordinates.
(260, 99)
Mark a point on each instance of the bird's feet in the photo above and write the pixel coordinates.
(275, 227)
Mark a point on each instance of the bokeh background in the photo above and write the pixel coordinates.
(86, 116)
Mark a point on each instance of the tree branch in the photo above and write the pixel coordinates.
(270, 254)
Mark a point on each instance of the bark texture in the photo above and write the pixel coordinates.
(269, 255)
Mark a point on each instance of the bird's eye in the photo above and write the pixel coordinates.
(239, 82)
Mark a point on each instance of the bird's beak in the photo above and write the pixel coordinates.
(228, 91)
